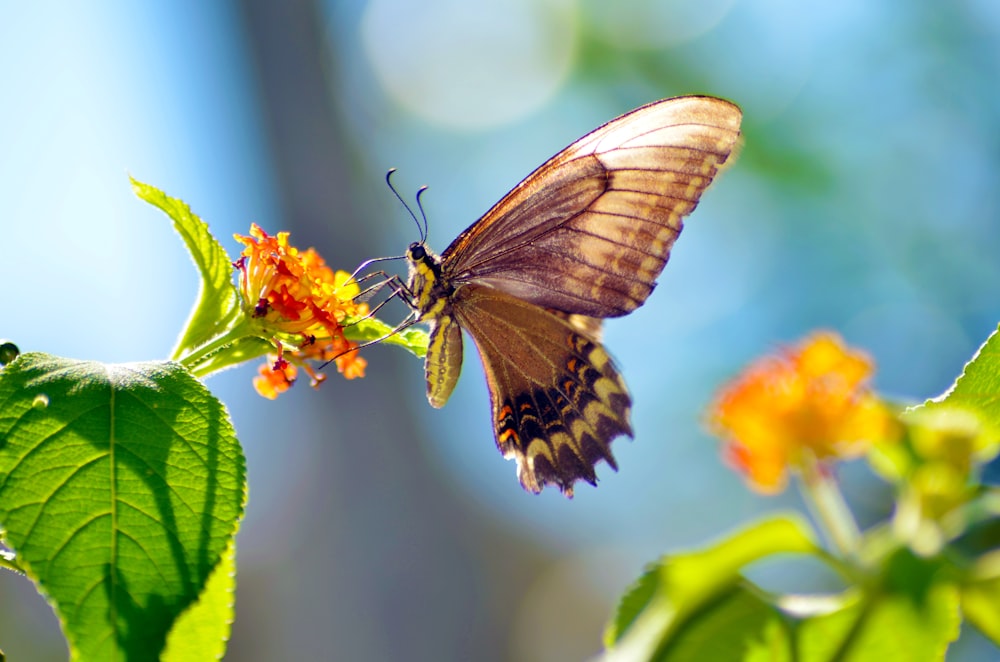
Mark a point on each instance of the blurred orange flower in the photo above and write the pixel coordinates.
(807, 403)
(294, 296)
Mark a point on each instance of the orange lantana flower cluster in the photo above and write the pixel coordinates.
(300, 304)
(808, 403)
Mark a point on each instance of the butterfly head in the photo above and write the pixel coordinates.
(427, 283)
(417, 252)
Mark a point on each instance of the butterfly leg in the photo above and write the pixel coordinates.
(372, 290)
(399, 290)
(407, 322)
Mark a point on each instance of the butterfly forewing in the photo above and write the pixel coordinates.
(591, 230)
(557, 399)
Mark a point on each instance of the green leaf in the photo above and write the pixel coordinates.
(635, 600)
(120, 488)
(909, 627)
(680, 586)
(980, 592)
(981, 605)
(819, 636)
(736, 624)
(771, 644)
(890, 627)
(233, 353)
(978, 387)
(218, 304)
(908, 612)
(414, 340)
(202, 631)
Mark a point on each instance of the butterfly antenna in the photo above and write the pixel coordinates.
(388, 181)
(423, 214)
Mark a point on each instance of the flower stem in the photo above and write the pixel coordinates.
(827, 504)
(236, 345)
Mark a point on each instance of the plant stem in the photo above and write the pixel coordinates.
(196, 355)
(238, 344)
(825, 500)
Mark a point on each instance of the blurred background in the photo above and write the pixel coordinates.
(866, 200)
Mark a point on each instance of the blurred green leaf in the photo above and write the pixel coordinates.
(217, 305)
(771, 644)
(672, 591)
(978, 387)
(911, 613)
(981, 605)
(820, 636)
(979, 527)
(887, 627)
(737, 623)
(980, 546)
(120, 488)
(636, 598)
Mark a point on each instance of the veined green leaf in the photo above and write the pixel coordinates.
(217, 304)
(201, 632)
(120, 489)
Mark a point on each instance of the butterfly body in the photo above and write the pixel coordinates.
(581, 239)
(431, 290)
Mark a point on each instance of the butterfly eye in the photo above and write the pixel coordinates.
(417, 251)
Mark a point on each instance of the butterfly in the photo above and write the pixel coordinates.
(582, 238)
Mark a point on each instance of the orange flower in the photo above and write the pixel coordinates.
(810, 402)
(349, 364)
(274, 378)
(297, 300)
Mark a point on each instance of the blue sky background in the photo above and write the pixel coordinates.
(866, 200)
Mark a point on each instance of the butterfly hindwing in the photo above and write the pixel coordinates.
(557, 398)
(590, 230)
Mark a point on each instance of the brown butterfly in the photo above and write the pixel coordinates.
(582, 238)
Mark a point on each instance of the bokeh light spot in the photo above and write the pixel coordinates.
(451, 80)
